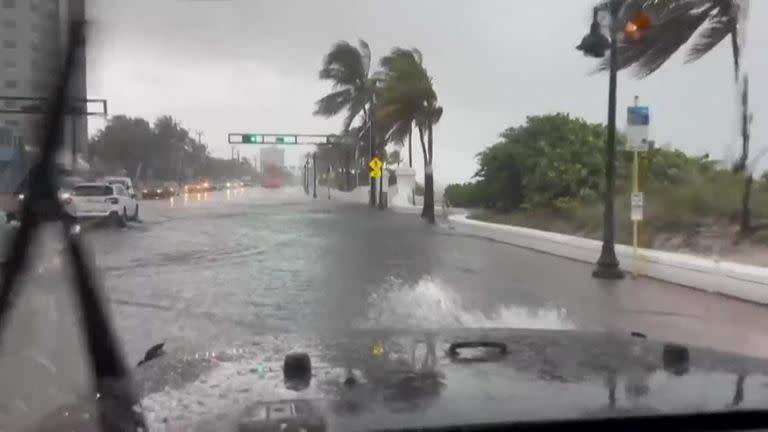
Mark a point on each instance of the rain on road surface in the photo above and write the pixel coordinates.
(206, 271)
(210, 269)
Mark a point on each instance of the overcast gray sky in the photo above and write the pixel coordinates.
(251, 65)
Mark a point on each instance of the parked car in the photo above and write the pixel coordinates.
(127, 187)
(100, 201)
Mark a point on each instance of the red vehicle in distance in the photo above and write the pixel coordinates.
(272, 177)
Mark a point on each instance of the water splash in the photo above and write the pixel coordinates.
(432, 304)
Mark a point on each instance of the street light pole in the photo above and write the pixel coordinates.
(373, 153)
(314, 175)
(594, 44)
(73, 122)
(607, 263)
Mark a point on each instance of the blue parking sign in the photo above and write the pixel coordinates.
(638, 116)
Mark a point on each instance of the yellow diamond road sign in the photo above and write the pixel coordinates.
(375, 167)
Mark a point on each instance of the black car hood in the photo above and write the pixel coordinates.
(385, 379)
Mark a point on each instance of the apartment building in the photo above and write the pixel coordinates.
(33, 34)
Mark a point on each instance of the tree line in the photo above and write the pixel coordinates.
(554, 162)
(383, 106)
(162, 150)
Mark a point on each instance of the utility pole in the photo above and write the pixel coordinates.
(371, 131)
(314, 175)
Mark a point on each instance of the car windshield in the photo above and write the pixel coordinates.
(574, 191)
(92, 190)
(118, 182)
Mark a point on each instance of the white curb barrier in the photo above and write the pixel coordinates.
(731, 279)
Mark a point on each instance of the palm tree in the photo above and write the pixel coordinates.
(674, 23)
(359, 139)
(348, 68)
(413, 55)
(432, 115)
(405, 97)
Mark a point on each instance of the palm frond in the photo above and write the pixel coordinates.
(344, 65)
(723, 22)
(334, 103)
(365, 56)
(400, 54)
(417, 55)
(709, 38)
(675, 22)
(437, 114)
(669, 38)
(354, 108)
(399, 131)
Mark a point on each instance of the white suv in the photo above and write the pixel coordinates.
(99, 200)
(133, 205)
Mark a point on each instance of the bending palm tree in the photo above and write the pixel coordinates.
(348, 68)
(675, 22)
(407, 97)
(412, 55)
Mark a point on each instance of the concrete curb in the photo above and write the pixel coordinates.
(731, 279)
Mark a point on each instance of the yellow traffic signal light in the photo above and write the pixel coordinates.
(636, 27)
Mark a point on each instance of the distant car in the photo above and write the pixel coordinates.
(100, 201)
(159, 192)
(199, 187)
(233, 184)
(272, 184)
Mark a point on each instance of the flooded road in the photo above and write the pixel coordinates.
(206, 272)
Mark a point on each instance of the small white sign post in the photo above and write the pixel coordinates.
(636, 214)
(638, 122)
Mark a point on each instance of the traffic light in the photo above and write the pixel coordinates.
(250, 139)
(637, 26)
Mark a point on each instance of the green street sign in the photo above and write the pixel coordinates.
(285, 139)
(277, 139)
(252, 139)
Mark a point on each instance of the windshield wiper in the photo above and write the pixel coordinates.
(114, 391)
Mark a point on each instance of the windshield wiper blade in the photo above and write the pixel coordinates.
(113, 382)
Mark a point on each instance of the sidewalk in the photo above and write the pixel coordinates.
(741, 281)
(727, 278)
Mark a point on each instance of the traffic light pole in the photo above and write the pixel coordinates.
(314, 175)
(372, 149)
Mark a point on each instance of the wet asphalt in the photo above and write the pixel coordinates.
(205, 271)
